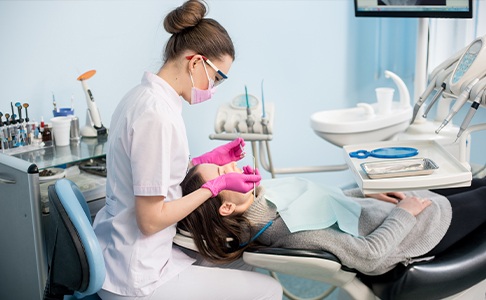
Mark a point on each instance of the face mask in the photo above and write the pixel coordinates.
(198, 95)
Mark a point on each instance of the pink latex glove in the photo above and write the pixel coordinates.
(237, 182)
(222, 155)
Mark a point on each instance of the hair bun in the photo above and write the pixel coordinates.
(185, 16)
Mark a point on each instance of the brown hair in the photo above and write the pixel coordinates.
(191, 31)
(217, 238)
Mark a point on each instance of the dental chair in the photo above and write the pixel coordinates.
(76, 265)
(458, 274)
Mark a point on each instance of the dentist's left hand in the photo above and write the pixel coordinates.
(222, 155)
(237, 182)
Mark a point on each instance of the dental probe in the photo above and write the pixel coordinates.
(461, 100)
(254, 173)
(470, 113)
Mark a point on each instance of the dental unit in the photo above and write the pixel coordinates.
(467, 73)
(456, 78)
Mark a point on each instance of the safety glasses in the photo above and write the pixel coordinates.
(220, 76)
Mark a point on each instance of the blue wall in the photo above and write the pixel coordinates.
(312, 55)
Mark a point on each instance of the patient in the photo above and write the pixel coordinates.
(366, 234)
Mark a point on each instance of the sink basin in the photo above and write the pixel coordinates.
(360, 124)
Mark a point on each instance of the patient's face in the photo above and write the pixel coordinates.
(210, 171)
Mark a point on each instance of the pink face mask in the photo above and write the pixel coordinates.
(198, 95)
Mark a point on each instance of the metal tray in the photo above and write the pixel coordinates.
(399, 168)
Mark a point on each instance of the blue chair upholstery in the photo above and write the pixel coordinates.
(75, 260)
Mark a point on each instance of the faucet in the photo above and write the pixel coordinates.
(402, 88)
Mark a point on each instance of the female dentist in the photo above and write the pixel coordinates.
(147, 158)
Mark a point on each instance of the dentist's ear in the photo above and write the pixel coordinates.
(227, 209)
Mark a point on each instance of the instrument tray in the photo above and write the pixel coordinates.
(450, 172)
(399, 167)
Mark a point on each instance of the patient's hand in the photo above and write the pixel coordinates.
(414, 205)
(392, 197)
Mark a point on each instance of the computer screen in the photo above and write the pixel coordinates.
(413, 8)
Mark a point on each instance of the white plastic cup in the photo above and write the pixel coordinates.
(384, 97)
(61, 127)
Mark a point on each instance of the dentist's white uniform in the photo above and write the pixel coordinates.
(148, 155)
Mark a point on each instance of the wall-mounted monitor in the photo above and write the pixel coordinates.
(414, 8)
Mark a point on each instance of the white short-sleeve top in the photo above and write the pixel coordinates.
(147, 155)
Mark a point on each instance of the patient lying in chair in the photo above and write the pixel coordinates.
(366, 234)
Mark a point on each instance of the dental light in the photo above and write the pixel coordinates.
(93, 127)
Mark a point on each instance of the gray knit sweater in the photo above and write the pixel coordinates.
(388, 234)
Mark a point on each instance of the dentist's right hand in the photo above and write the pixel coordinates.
(238, 182)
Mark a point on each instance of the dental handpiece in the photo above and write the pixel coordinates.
(461, 100)
(471, 112)
(434, 99)
(422, 99)
(441, 80)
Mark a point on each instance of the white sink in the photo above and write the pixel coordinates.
(361, 124)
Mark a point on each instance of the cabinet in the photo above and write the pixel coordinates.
(23, 262)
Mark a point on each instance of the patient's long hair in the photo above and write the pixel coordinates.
(217, 238)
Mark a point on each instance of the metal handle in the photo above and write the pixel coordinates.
(7, 181)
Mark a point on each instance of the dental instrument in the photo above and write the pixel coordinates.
(471, 112)
(442, 78)
(54, 102)
(422, 99)
(264, 120)
(249, 119)
(446, 65)
(26, 105)
(19, 108)
(93, 127)
(254, 173)
(434, 99)
(461, 100)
